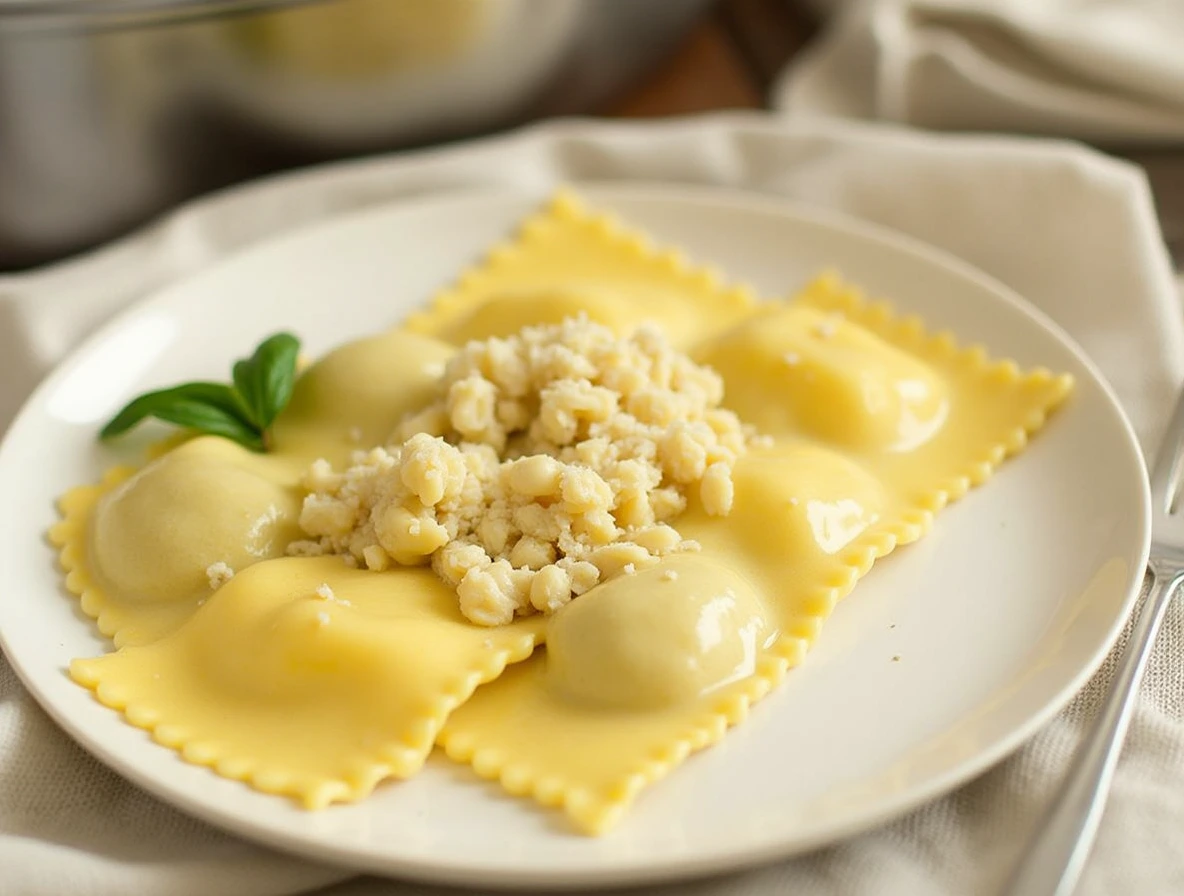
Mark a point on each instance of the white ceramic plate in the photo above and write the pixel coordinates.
(943, 660)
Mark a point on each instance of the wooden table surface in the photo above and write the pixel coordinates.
(729, 59)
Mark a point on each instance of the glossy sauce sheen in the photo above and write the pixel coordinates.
(876, 424)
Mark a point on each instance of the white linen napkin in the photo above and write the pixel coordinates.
(1099, 70)
(1073, 231)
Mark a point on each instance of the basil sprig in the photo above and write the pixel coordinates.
(242, 411)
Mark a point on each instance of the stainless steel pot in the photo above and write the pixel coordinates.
(111, 110)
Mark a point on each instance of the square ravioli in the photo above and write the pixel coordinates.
(567, 260)
(876, 425)
(307, 678)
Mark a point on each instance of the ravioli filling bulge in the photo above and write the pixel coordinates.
(659, 638)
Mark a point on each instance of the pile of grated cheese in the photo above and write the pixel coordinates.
(553, 460)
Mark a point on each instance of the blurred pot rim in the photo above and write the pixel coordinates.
(38, 15)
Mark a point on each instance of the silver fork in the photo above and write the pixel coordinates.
(1053, 862)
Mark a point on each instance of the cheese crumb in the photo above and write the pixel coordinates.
(324, 592)
(670, 575)
(218, 574)
(551, 460)
(716, 490)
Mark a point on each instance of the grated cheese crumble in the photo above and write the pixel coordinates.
(218, 574)
(552, 460)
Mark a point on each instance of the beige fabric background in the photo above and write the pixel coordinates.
(1101, 70)
(1071, 230)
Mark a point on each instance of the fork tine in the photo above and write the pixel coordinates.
(1165, 475)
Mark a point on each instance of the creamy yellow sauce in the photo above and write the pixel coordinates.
(875, 425)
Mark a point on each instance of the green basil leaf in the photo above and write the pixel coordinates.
(242, 412)
(264, 381)
(207, 407)
(211, 420)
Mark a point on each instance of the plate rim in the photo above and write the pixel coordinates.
(628, 873)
